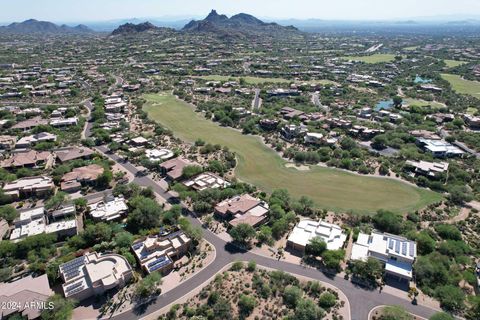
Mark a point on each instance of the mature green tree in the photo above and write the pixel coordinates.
(148, 286)
(242, 233)
(251, 266)
(451, 298)
(304, 206)
(123, 239)
(379, 142)
(8, 213)
(460, 194)
(370, 271)
(473, 313)
(333, 258)
(191, 171)
(397, 101)
(280, 196)
(327, 300)
(448, 232)
(56, 201)
(387, 221)
(441, 316)
(306, 309)
(316, 247)
(5, 274)
(103, 181)
(96, 233)
(291, 296)
(222, 310)
(195, 233)
(425, 243)
(246, 304)
(62, 309)
(432, 270)
(145, 214)
(264, 235)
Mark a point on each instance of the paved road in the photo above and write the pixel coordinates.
(361, 300)
(257, 101)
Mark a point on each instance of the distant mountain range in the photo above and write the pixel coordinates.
(35, 26)
(238, 25)
(134, 28)
(241, 24)
(245, 25)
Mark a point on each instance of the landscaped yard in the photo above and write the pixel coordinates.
(375, 58)
(261, 166)
(463, 86)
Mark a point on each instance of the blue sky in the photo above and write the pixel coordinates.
(100, 10)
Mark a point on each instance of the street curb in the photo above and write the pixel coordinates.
(156, 314)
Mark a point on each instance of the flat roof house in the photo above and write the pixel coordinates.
(430, 169)
(306, 230)
(33, 221)
(439, 148)
(20, 295)
(38, 186)
(157, 253)
(243, 209)
(94, 274)
(206, 180)
(158, 154)
(64, 122)
(108, 209)
(397, 253)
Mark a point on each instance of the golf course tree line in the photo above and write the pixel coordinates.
(264, 168)
(255, 292)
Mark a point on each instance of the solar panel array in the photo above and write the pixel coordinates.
(72, 265)
(412, 250)
(175, 234)
(76, 290)
(137, 246)
(71, 274)
(390, 244)
(159, 263)
(73, 286)
(404, 248)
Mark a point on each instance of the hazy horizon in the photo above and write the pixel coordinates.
(347, 10)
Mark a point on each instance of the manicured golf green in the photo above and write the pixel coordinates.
(463, 86)
(423, 103)
(453, 63)
(374, 58)
(261, 166)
